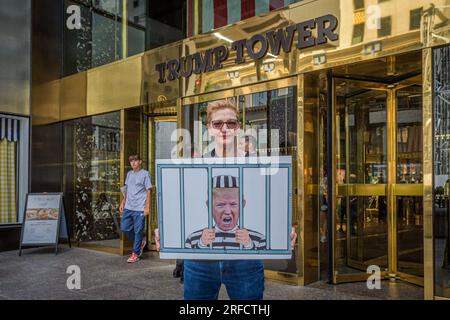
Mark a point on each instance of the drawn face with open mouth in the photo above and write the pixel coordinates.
(226, 208)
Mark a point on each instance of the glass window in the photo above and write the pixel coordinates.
(409, 171)
(13, 168)
(441, 207)
(97, 40)
(206, 15)
(78, 42)
(106, 40)
(385, 27)
(92, 178)
(367, 136)
(195, 122)
(409, 135)
(358, 33)
(359, 4)
(166, 22)
(136, 12)
(271, 118)
(108, 6)
(415, 17)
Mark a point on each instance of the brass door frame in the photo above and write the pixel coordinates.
(152, 163)
(391, 189)
(398, 189)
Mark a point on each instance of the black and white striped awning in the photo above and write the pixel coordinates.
(9, 129)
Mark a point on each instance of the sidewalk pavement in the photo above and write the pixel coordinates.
(39, 274)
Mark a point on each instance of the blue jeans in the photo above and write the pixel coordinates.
(243, 279)
(132, 226)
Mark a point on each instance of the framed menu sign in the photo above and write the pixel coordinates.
(44, 221)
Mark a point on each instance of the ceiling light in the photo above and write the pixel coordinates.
(218, 35)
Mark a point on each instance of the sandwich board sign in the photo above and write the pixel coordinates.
(44, 221)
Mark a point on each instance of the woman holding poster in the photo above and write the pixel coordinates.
(243, 279)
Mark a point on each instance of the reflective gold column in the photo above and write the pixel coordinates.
(392, 177)
(300, 176)
(428, 174)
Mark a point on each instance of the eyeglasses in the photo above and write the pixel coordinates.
(231, 124)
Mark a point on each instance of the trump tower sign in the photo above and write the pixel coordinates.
(257, 48)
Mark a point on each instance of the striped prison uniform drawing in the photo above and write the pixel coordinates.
(226, 240)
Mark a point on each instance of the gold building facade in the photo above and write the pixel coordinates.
(354, 111)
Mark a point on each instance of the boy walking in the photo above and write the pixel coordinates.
(135, 206)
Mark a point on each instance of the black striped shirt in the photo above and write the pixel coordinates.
(226, 240)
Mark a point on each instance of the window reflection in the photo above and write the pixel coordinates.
(92, 177)
(441, 163)
(98, 40)
(136, 13)
(409, 135)
(109, 6)
(206, 15)
(106, 40)
(410, 235)
(363, 113)
(270, 117)
(195, 122)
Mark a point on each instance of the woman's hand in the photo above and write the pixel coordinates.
(158, 244)
(293, 237)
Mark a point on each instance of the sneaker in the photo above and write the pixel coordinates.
(143, 244)
(133, 258)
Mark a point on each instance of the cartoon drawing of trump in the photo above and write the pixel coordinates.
(226, 233)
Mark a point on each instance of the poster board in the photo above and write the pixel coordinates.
(252, 194)
(44, 221)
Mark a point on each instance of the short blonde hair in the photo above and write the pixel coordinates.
(220, 105)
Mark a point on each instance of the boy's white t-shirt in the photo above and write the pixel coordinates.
(136, 186)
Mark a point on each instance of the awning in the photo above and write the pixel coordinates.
(9, 129)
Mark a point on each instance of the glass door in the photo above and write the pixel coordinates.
(361, 226)
(378, 214)
(407, 192)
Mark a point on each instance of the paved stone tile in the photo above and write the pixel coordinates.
(40, 274)
(389, 290)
